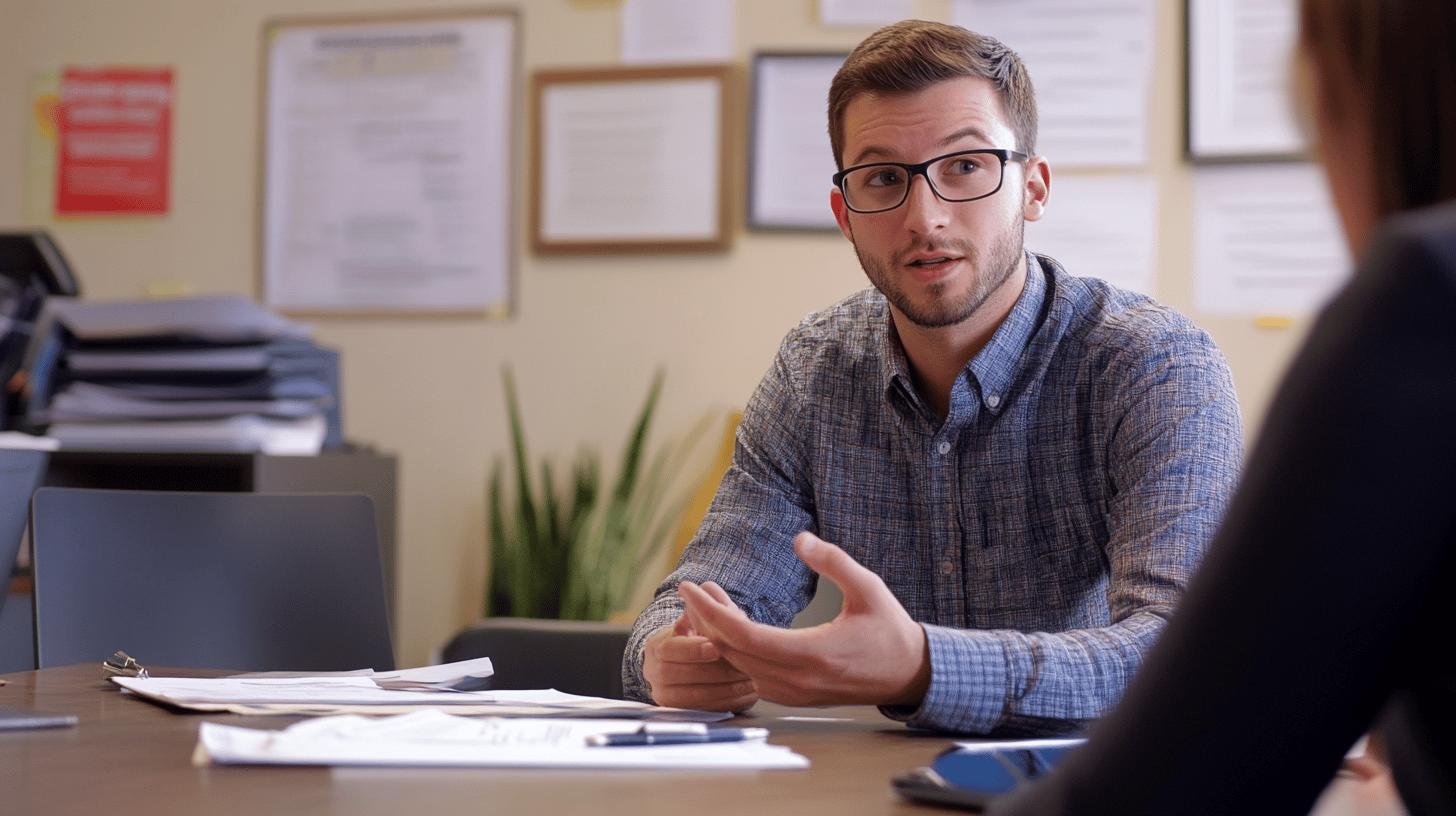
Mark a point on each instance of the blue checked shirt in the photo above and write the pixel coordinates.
(1041, 533)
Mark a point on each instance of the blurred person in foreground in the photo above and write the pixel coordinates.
(1326, 605)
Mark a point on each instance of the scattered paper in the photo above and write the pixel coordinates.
(433, 738)
(677, 31)
(361, 695)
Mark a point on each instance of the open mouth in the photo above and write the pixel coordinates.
(932, 261)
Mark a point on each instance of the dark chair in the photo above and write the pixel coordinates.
(246, 581)
(20, 474)
(577, 657)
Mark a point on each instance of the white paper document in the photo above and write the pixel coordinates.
(677, 31)
(433, 738)
(361, 694)
(793, 165)
(1091, 65)
(864, 12)
(1238, 77)
(1266, 240)
(1102, 227)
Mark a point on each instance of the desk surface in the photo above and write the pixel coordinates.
(131, 757)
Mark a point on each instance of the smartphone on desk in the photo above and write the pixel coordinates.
(972, 776)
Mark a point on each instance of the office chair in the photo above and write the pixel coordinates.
(577, 657)
(245, 581)
(20, 474)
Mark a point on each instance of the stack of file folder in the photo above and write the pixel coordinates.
(194, 374)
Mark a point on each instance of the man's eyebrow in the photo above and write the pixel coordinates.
(882, 152)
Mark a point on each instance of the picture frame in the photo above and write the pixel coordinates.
(631, 160)
(790, 161)
(1236, 81)
(386, 164)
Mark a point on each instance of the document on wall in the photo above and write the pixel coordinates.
(433, 738)
(793, 164)
(1266, 240)
(1102, 227)
(677, 31)
(1091, 63)
(1239, 59)
(388, 165)
(864, 12)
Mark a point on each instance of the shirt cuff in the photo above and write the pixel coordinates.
(968, 683)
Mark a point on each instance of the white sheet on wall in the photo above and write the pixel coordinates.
(388, 165)
(1266, 240)
(1091, 64)
(677, 31)
(1102, 227)
(792, 163)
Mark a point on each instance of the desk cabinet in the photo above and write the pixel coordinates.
(353, 471)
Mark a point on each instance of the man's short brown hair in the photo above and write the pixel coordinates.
(912, 55)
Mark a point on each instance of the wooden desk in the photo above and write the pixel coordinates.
(131, 757)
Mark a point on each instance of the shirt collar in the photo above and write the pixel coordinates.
(994, 368)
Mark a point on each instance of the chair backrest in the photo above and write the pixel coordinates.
(244, 581)
(20, 474)
(577, 657)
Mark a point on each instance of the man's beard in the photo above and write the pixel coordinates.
(991, 271)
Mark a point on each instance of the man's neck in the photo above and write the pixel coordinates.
(938, 356)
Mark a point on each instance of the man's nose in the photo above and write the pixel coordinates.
(925, 212)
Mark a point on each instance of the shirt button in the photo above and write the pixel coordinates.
(943, 447)
(993, 400)
(946, 568)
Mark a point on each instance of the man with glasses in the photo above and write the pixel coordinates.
(1020, 468)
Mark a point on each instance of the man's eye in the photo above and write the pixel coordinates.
(964, 166)
(886, 177)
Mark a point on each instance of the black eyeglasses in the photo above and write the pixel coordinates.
(965, 175)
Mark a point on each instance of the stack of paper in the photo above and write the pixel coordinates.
(196, 374)
(433, 738)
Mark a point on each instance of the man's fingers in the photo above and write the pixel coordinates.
(682, 626)
(710, 697)
(690, 674)
(861, 587)
(734, 634)
(718, 593)
(687, 649)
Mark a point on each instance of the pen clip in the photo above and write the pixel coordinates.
(121, 664)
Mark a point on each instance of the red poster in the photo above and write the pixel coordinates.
(114, 140)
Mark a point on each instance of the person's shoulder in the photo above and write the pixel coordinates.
(854, 326)
(1106, 320)
(1415, 249)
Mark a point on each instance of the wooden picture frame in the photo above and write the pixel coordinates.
(386, 158)
(790, 161)
(631, 160)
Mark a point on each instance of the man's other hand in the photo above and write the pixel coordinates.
(871, 653)
(685, 670)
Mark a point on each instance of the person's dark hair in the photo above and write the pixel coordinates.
(1392, 63)
(912, 55)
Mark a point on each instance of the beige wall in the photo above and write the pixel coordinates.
(588, 332)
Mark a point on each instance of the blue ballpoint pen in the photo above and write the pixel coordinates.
(674, 738)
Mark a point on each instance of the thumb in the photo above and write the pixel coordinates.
(862, 588)
(682, 626)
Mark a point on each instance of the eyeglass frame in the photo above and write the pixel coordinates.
(922, 169)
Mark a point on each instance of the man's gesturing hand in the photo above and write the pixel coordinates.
(685, 670)
(873, 652)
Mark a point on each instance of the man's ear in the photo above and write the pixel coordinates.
(1038, 188)
(841, 213)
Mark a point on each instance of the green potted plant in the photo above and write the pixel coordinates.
(577, 550)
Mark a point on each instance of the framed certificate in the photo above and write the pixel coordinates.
(630, 160)
(1239, 56)
(790, 162)
(387, 164)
